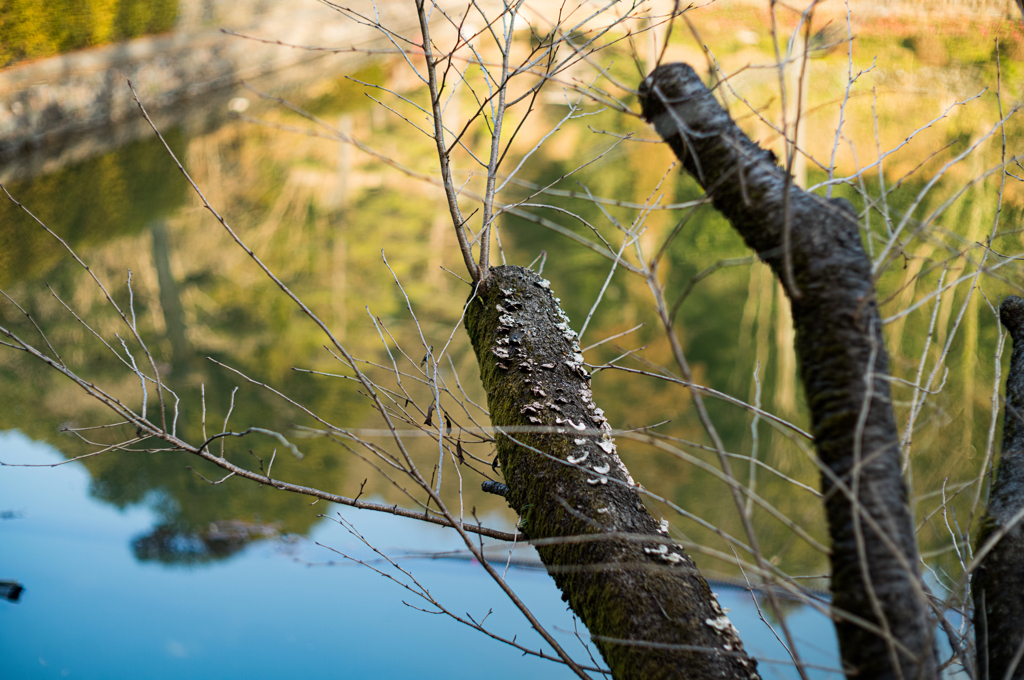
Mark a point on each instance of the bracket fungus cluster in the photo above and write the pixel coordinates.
(637, 590)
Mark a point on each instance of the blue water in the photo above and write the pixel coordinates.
(91, 610)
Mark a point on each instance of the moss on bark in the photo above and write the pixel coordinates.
(640, 595)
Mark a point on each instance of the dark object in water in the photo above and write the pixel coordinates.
(10, 590)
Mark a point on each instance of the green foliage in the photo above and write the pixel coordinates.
(346, 93)
(31, 29)
(87, 204)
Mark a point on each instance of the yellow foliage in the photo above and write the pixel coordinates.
(31, 29)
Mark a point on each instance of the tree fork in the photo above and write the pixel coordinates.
(843, 366)
(997, 585)
(650, 611)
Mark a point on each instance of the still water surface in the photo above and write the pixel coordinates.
(92, 610)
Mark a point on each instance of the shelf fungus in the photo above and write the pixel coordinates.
(576, 460)
(722, 624)
(662, 552)
(568, 333)
(547, 399)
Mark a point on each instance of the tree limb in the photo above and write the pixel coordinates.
(843, 365)
(650, 611)
(997, 585)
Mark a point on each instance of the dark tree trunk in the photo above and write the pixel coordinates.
(650, 610)
(843, 365)
(998, 583)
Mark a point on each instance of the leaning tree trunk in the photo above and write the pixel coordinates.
(843, 365)
(650, 611)
(998, 583)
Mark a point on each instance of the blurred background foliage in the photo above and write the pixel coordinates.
(324, 215)
(32, 29)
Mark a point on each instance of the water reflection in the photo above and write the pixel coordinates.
(274, 610)
(90, 608)
(170, 545)
(319, 214)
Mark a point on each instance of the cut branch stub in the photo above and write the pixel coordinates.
(843, 366)
(650, 611)
(998, 584)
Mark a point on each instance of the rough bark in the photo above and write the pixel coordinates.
(998, 583)
(651, 612)
(843, 366)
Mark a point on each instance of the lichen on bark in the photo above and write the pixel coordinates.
(650, 611)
